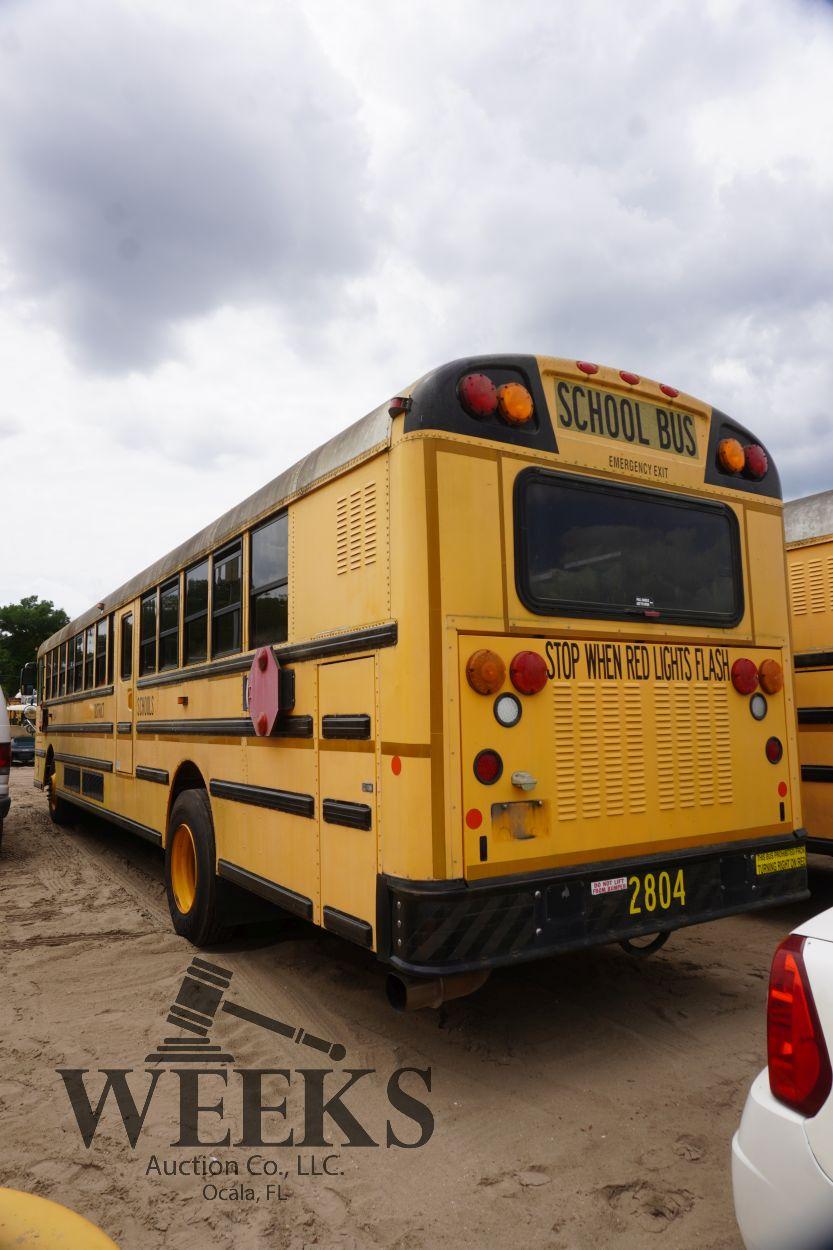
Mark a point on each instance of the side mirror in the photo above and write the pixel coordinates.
(28, 679)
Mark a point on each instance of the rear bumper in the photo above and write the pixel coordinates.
(439, 927)
(5, 804)
(783, 1200)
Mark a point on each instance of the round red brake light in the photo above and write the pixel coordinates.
(488, 767)
(528, 672)
(478, 394)
(744, 676)
(774, 750)
(755, 462)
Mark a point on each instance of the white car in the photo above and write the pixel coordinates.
(5, 761)
(782, 1154)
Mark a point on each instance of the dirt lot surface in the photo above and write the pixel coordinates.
(584, 1102)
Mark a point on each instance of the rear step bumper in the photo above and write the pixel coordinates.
(439, 927)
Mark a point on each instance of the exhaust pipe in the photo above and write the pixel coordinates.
(412, 993)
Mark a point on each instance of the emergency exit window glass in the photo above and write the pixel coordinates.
(226, 604)
(588, 548)
(269, 590)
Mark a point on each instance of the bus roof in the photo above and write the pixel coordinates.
(370, 433)
(811, 517)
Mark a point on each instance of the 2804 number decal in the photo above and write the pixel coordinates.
(656, 892)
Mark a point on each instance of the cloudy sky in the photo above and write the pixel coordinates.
(226, 233)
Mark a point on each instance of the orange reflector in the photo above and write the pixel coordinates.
(514, 403)
(771, 676)
(486, 672)
(731, 455)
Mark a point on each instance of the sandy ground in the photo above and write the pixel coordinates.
(584, 1102)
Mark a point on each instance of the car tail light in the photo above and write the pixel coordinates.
(528, 672)
(771, 676)
(486, 671)
(488, 767)
(799, 1065)
(755, 462)
(744, 676)
(478, 394)
(774, 750)
(5, 756)
(731, 455)
(514, 403)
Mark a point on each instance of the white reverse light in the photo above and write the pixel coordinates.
(758, 706)
(507, 710)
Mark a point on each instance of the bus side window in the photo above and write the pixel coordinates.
(126, 658)
(147, 634)
(227, 600)
(62, 686)
(89, 656)
(100, 652)
(110, 645)
(268, 587)
(195, 643)
(77, 662)
(169, 625)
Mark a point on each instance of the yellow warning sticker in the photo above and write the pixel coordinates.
(780, 861)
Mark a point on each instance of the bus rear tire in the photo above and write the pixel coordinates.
(60, 811)
(190, 877)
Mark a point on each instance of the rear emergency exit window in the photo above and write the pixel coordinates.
(597, 549)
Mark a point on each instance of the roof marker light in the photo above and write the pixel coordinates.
(630, 378)
(586, 366)
(670, 391)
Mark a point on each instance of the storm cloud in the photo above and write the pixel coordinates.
(155, 168)
(226, 232)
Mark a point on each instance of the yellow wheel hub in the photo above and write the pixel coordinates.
(184, 868)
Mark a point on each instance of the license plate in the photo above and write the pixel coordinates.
(780, 861)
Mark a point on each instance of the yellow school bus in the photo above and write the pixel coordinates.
(500, 671)
(808, 526)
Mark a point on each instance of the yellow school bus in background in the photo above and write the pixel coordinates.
(808, 526)
(500, 671)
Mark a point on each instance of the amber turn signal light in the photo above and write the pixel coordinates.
(731, 455)
(514, 403)
(485, 671)
(771, 676)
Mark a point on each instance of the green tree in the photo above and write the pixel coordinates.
(23, 627)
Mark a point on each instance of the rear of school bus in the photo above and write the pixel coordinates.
(808, 525)
(609, 744)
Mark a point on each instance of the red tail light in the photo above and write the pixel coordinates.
(528, 672)
(799, 1065)
(755, 462)
(774, 750)
(744, 676)
(5, 755)
(478, 394)
(488, 767)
